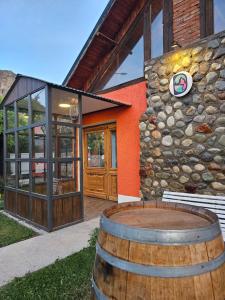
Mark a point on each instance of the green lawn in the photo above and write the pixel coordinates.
(12, 232)
(68, 278)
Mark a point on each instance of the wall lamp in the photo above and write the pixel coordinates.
(175, 45)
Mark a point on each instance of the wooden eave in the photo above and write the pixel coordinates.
(113, 25)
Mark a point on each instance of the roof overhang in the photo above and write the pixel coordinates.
(90, 102)
(104, 40)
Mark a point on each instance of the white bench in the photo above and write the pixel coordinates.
(214, 203)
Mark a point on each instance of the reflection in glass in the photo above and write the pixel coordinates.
(23, 144)
(219, 15)
(10, 145)
(130, 67)
(24, 175)
(65, 108)
(65, 177)
(95, 149)
(38, 106)
(113, 149)
(157, 28)
(10, 116)
(39, 177)
(63, 141)
(22, 109)
(10, 174)
(39, 142)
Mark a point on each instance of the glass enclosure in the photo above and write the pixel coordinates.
(43, 156)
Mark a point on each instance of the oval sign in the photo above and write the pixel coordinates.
(180, 84)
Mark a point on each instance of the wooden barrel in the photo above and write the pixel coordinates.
(158, 250)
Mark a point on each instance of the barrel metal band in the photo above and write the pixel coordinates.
(99, 295)
(159, 271)
(160, 236)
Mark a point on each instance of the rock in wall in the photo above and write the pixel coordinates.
(183, 139)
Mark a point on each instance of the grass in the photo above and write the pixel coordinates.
(66, 279)
(12, 232)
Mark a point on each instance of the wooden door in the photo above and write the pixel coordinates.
(100, 162)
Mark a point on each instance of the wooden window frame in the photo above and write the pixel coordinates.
(167, 28)
(206, 18)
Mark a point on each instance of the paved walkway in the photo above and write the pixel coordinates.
(33, 254)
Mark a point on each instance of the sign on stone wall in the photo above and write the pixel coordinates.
(180, 84)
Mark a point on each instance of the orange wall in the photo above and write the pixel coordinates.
(128, 141)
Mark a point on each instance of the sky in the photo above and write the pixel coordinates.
(42, 38)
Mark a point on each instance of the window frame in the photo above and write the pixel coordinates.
(98, 84)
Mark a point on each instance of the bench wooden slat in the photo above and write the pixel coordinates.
(214, 203)
(196, 199)
(194, 195)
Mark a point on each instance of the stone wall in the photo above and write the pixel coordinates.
(183, 139)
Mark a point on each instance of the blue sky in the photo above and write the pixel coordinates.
(42, 38)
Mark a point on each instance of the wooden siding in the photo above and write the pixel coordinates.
(39, 211)
(66, 210)
(21, 87)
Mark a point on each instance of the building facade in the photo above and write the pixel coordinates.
(131, 55)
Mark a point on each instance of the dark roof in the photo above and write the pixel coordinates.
(105, 36)
(19, 76)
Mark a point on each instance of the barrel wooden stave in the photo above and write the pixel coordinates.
(119, 284)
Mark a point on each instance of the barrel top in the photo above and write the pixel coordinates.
(159, 218)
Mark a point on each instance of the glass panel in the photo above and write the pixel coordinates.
(113, 149)
(157, 28)
(39, 178)
(38, 106)
(24, 176)
(22, 109)
(219, 15)
(129, 63)
(39, 142)
(10, 116)
(63, 141)
(11, 174)
(95, 149)
(65, 179)
(23, 143)
(65, 108)
(10, 145)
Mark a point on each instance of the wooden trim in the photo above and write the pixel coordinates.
(147, 32)
(206, 18)
(167, 25)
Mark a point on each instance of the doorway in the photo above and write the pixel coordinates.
(100, 162)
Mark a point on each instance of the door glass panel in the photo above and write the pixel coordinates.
(10, 116)
(39, 142)
(113, 149)
(63, 141)
(23, 143)
(95, 149)
(65, 177)
(39, 177)
(24, 181)
(11, 174)
(23, 116)
(10, 145)
(38, 106)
